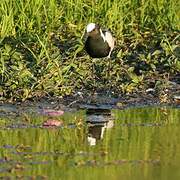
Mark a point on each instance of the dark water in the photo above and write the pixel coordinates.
(136, 143)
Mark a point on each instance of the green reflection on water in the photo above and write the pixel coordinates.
(141, 143)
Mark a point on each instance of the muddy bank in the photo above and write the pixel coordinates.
(96, 100)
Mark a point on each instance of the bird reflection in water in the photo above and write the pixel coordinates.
(97, 125)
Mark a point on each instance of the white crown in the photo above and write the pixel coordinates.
(90, 27)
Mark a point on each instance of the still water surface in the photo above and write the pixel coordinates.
(135, 143)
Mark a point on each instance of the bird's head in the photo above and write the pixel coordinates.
(92, 29)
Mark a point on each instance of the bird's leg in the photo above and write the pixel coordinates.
(107, 81)
(108, 69)
(94, 73)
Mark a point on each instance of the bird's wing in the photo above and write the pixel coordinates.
(110, 40)
(84, 37)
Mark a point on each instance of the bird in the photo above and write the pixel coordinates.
(99, 43)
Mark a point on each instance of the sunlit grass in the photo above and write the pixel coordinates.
(41, 44)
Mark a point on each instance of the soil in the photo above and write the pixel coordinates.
(96, 100)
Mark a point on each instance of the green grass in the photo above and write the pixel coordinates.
(41, 45)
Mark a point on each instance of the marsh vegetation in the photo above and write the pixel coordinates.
(42, 51)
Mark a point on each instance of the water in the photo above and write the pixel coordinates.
(135, 143)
